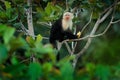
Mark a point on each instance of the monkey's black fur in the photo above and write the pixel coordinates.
(57, 33)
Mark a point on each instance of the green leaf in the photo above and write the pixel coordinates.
(9, 13)
(39, 9)
(102, 72)
(3, 53)
(117, 70)
(13, 19)
(7, 4)
(3, 15)
(38, 39)
(90, 67)
(43, 49)
(35, 71)
(2, 28)
(14, 60)
(48, 9)
(67, 71)
(18, 43)
(8, 34)
(16, 70)
(30, 40)
(47, 67)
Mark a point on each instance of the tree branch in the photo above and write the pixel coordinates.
(73, 49)
(45, 24)
(68, 48)
(111, 22)
(74, 62)
(2, 1)
(100, 20)
(115, 21)
(93, 31)
(89, 39)
(67, 6)
(109, 7)
(30, 25)
(106, 15)
(25, 31)
(87, 23)
(29, 18)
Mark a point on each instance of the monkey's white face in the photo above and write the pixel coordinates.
(67, 21)
(68, 16)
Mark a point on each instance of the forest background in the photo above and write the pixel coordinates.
(25, 52)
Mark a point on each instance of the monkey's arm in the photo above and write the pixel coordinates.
(70, 35)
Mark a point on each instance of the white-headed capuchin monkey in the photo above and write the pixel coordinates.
(61, 29)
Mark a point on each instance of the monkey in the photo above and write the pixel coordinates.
(61, 29)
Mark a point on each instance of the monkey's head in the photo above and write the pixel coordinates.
(68, 16)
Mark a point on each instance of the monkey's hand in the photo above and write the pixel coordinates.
(79, 34)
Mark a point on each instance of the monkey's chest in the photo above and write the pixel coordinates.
(66, 25)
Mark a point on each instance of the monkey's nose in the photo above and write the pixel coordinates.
(67, 18)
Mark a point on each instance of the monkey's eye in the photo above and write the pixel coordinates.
(67, 15)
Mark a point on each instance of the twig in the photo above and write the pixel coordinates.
(115, 21)
(87, 23)
(25, 31)
(59, 45)
(73, 49)
(74, 62)
(45, 38)
(72, 44)
(106, 15)
(66, 5)
(25, 60)
(106, 10)
(45, 24)
(68, 48)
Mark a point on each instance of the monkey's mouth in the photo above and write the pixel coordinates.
(67, 18)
